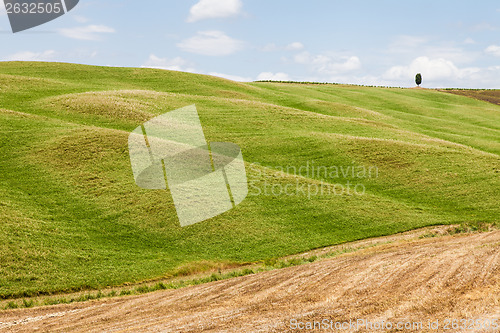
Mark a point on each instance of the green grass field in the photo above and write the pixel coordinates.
(72, 217)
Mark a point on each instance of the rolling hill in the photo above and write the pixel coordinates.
(74, 219)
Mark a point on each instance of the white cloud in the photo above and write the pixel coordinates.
(90, 32)
(469, 41)
(295, 46)
(174, 64)
(328, 64)
(211, 43)
(207, 9)
(443, 73)
(484, 26)
(493, 50)
(32, 56)
(431, 69)
(484, 78)
(270, 47)
(80, 54)
(266, 76)
(436, 72)
(231, 77)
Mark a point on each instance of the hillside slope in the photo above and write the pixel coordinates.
(73, 218)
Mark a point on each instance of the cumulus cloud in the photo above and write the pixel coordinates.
(208, 9)
(32, 56)
(211, 43)
(295, 46)
(326, 64)
(90, 32)
(173, 64)
(469, 41)
(268, 76)
(439, 72)
(431, 69)
(493, 50)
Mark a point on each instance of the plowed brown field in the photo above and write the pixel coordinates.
(492, 96)
(455, 277)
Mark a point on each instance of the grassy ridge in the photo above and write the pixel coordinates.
(73, 218)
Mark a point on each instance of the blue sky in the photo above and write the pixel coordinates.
(452, 43)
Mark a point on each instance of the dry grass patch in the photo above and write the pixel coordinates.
(110, 104)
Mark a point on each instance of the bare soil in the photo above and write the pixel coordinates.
(435, 278)
(491, 96)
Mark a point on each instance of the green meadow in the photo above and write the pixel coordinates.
(72, 217)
